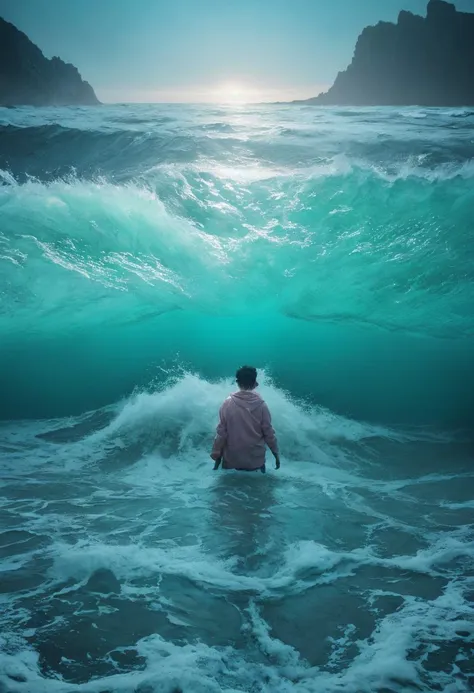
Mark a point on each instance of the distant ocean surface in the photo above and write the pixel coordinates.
(148, 251)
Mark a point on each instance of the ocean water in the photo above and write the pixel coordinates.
(145, 253)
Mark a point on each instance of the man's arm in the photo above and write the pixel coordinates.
(269, 435)
(220, 439)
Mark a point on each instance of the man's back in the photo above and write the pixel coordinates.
(243, 430)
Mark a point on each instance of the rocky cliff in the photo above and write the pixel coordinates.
(418, 61)
(28, 78)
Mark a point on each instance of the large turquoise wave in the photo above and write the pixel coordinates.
(312, 243)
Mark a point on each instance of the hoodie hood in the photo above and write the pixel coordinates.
(247, 399)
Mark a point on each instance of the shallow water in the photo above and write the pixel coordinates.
(146, 252)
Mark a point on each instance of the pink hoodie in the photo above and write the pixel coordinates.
(245, 425)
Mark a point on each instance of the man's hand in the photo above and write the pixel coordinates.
(217, 459)
(277, 461)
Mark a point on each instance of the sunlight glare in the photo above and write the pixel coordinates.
(235, 92)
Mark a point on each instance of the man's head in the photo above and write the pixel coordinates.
(247, 378)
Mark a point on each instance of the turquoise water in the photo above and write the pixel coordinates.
(146, 252)
(332, 247)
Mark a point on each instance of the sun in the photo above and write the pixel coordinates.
(234, 92)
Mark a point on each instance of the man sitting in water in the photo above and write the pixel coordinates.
(245, 425)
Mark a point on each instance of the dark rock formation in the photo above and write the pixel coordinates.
(418, 61)
(28, 78)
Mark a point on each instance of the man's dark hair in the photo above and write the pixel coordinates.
(246, 377)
